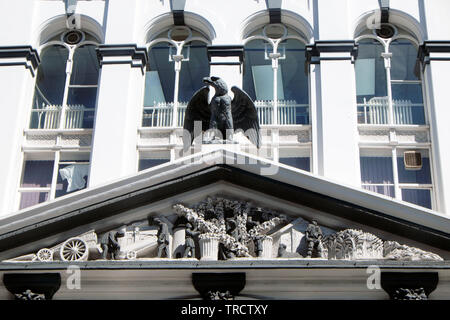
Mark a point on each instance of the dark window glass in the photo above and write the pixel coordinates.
(28, 199)
(376, 170)
(160, 76)
(422, 176)
(193, 71)
(300, 163)
(149, 163)
(370, 71)
(37, 174)
(421, 197)
(258, 72)
(71, 177)
(85, 66)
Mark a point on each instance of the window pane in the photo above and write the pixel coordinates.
(409, 92)
(80, 99)
(85, 97)
(294, 77)
(28, 199)
(51, 77)
(258, 72)
(49, 88)
(404, 60)
(422, 176)
(300, 163)
(193, 71)
(37, 174)
(421, 197)
(71, 177)
(386, 190)
(370, 71)
(159, 63)
(149, 163)
(376, 170)
(85, 66)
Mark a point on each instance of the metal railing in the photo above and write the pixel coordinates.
(289, 113)
(376, 111)
(50, 117)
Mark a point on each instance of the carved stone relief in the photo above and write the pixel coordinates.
(221, 229)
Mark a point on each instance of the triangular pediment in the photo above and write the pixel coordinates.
(343, 213)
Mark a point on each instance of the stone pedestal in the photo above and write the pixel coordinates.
(267, 243)
(209, 249)
(179, 239)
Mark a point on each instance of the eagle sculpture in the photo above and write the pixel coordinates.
(221, 115)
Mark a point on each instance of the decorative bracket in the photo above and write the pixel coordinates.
(123, 54)
(433, 51)
(218, 286)
(32, 286)
(409, 286)
(228, 51)
(20, 55)
(314, 51)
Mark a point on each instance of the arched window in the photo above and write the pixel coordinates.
(275, 75)
(389, 93)
(388, 81)
(66, 85)
(177, 64)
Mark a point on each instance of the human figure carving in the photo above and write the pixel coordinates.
(314, 239)
(283, 253)
(163, 238)
(109, 244)
(258, 241)
(189, 250)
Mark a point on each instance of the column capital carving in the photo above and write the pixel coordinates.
(409, 286)
(32, 286)
(218, 286)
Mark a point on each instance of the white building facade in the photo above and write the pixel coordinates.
(351, 91)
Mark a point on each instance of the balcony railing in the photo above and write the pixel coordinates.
(376, 111)
(50, 117)
(289, 113)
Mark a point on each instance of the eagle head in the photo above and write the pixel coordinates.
(219, 85)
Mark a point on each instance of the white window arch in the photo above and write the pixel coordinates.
(67, 82)
(388, 79)
(177, 64)
(275, 75)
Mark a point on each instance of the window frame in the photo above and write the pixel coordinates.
(275, 56)
(399, 186)
(54, 156)
(171, 109)
(63, 108)
(387, 55)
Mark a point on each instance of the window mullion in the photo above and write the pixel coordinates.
(178, 58)
(387, 64)
(69, 66)
(398, 192)
(274, 56)
(55, 175)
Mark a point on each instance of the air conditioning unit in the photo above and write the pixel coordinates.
(412, 160)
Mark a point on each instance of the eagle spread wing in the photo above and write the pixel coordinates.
(245, 116)
(196, 110)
